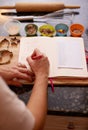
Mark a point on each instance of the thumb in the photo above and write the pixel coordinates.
(29, 59)
(14, 83)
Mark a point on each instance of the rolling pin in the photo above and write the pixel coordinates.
(39, 7)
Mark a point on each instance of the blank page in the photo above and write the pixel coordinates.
(70, 54)
(66, 54)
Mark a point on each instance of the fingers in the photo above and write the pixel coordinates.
(23, 69)
(25, 77)
(36, 52)
(20, 71)
(36, 55)
(21, 65)
(14, 83)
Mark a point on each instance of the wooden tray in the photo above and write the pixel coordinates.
(56, 81)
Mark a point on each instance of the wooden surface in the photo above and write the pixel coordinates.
(66, 123)
(61, 81)
(13, 49)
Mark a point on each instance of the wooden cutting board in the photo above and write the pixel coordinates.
(14, 48)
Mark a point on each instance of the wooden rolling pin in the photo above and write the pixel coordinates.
(39, 7)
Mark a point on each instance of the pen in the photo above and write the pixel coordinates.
(36, 57)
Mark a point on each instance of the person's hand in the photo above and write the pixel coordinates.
(17, 72)
(39, 63)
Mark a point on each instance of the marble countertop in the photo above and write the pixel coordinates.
(63, 99)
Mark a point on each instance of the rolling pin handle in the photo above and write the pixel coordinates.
(71, 7)
(7, 7)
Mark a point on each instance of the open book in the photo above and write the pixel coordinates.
(66, 54)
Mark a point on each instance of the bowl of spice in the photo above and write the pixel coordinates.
(76, 30)
(31, 29)
(47, 30)
(61, 29)
(12, 27)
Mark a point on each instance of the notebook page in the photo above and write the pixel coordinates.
(46, 45)
(70, 54)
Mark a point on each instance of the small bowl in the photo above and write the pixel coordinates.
(76, 30)
(12, 27)
(47, 30)
(61, 29)
(31, 29)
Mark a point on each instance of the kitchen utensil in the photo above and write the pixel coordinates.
(47, 30)
(47, 17)
(31, 29)
(61, 29)
(76, 30)
(5, 57)
(12, 27)
(60, 13)
(39, 7)
(57, 13)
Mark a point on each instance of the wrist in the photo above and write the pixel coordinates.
(42, 76)
(42, 79)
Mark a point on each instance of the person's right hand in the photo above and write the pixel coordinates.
(39, 63)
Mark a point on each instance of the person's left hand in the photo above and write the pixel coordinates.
(17, 72)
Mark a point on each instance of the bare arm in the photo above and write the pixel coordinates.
(38, 100)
